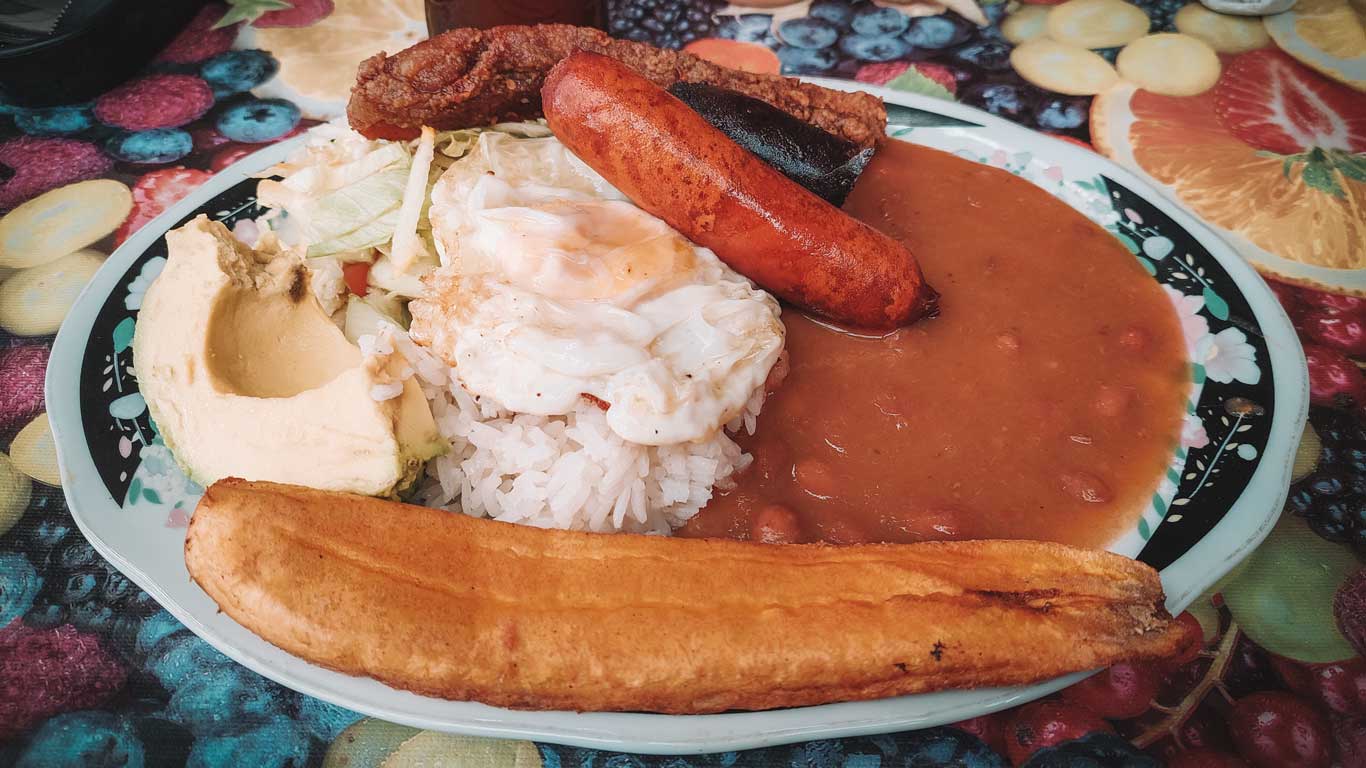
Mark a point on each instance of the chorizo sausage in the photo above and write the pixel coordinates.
(669, 161)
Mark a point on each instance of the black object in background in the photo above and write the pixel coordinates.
(65, 51)
(822, 162)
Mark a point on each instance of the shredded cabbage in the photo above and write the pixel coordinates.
(386, 275)
(407, 246)
(458, 143)
(343, 196)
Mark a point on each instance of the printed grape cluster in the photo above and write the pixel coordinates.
(1332, 498)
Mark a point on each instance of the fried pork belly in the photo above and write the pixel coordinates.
(471, 77)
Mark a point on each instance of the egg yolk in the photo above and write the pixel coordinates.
(589, 250)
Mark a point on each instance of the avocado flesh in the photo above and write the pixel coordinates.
(246, 376)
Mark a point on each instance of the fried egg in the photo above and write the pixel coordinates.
(553, 287)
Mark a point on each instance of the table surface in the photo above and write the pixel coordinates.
(94, 673)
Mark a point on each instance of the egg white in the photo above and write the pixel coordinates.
(554, 286)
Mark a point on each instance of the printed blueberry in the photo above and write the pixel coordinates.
(1161, 13)
(324, 720)
(238, 71)
(158, 145)
(945, 746)
(79, 586)
(874, 47)
(175, 659)
(822, 752)
(123, 635)
(54, 121)
(75, 552)
(1062, 113)
(837, 12)
(995, 13)
(214, 701)
(1096, 750)
(92, 616)
(140, 603)
(874, 20)
(87, 739)
(170, 741)
(748, 28)
(808, 33)
(990, 55)
(46, 616)
(49, 531)
(798, 61)
(277, 743)
(1009, 100)
(255, 121)
(117, 588)
(153, 629)
(935, 32)
(19, 585)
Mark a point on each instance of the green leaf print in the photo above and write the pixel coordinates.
(911, 81)
(249, 11)
(1216, 304)
(1320, 176)
(123, 334)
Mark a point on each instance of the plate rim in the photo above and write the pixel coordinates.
(644, 733)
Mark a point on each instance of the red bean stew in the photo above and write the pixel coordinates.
(1043, 403)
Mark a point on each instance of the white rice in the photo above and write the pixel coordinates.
(570, 471)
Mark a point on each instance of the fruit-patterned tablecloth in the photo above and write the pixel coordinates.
(1257, 124)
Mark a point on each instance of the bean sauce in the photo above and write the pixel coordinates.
(1043, 403)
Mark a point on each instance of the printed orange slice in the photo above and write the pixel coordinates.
(1272, 156)
(736, 54)
(1328, 35)
(318, 62)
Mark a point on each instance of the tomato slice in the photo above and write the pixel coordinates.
(357, 277)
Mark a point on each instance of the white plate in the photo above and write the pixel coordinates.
(142, 533)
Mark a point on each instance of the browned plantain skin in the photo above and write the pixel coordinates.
(462, 608)
(471, 77)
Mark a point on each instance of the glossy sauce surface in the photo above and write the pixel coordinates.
(1044, 402)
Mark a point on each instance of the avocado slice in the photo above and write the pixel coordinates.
(246, 376)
